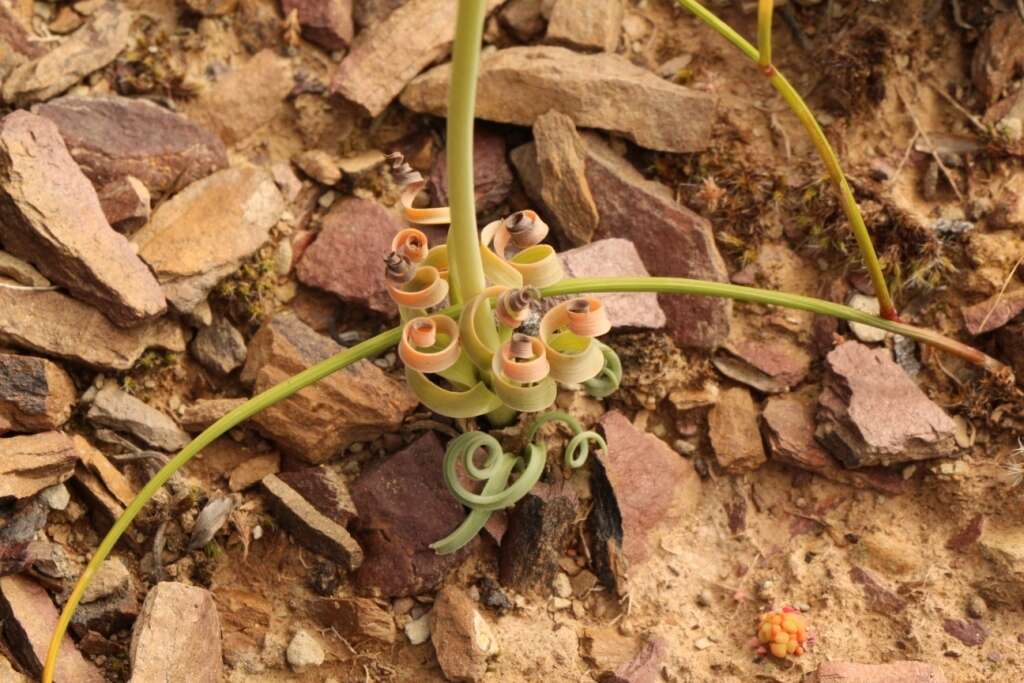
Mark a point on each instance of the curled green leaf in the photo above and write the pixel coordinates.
(608, 380)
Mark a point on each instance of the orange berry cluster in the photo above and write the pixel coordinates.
(783, 633)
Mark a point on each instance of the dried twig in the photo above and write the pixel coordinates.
(28, 288)
(931, 147)
(1002, 291)
(959, 107)
(906, 156)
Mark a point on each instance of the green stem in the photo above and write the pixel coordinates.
(385, 340)
(764, 32)
(828, 155)
(463, 240)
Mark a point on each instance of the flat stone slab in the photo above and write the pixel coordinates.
(177, 636)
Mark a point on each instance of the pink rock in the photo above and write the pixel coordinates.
(177, 637)
(328, 23)
(126, 203)
(492, 175)
(871, 413)
(994, 312)
(347, 256)
(894, 672)
(770, 366)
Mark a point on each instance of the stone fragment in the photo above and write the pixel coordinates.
(358, 403)
(177, 636)
(53, 219)
(29, 619)
(125, 203)
(304, 652)
(734, 433)
(254, 470)
(970, 632)
(770, 366)
(197, 416)
(112, 137)
(89, 49)
(893, 672)
(877, 597)
(463, 640)
(418, 630)
(1002, 546)
(389, 54)
(319, 165)
(523, 18)
(357, 618)
(670, 239)
(994, 312)
(871, 413)
(346, 258)
(56, 497)
(17, 44)
(396, 530)
(35, 394)
(492, 174)
(997, 60)
(644, 667)
(57, 325)
(122, 412)
(369, 12)
(105, 509)
(98, 464)
(110, 602)
(325, 490)
(219, 347)
(539, 529)
(311, 527)
(212, 8)
(586, 24)
(20, 271)
(562, 164)
(203, 233)
(638, 484)
(789, 430)
(518, 84)
(29, 464)
(328, 23)
(866, 333)
(8, 674)
(243, 101)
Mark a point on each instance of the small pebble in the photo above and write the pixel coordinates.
(704, 598)
(560, 604)
(55, 497)
(304, 652)
(866, 333)
(562, 586)
(702, 644)
(418, 630)
(976, 607)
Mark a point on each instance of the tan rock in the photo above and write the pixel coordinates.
(53, 219)
(177, 636)
(518, 84)
(369, 12)
(30, 618)
(123, 412)
(893, 672)
(254, 470)
(203, 233)
(388, 55)
(358, 403)
(996, 57)
(35, 394)
(21, 272)
(735, 437)
(523, 18)
(328, 23)
(562, 162)
(319, 165)
(98, 464)
(586, 24)
(246, 99)
(463, 640)
(57, 325)
(87, 50)
(198, 416)
(29, 464)
(357, 618)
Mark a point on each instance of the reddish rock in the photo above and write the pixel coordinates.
(877, 597)
(112, 137)
(968, 536)
(328, 23)
(871, 413)
(994, 312)
(396, 530)
(492, 175)
(644, 212)
(325, 490)
(518, 84)
(893, 672)
(29, 464)
(177, 636)
(53, 219)
(254, 470)
(734, 434)
(389, 54)
(970, 632)
(639, 484)
(29, 619)
(614, 257)
(308, 517)
(35, 394)
(769, 365)
(539, 530)
(57, 325)
(586, 24)
(358, 403)
(462, 638)
(197, 416)
(347, 256)
(203, 233)
(356, 618)
(997, 59)
(125, 203)
(89, 49)
(644, 667)
(789, 430)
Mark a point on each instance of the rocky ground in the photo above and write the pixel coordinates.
(193, 207)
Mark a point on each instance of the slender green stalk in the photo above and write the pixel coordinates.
(765, 8)
(828, 155)
(382, 342)
(463, 240)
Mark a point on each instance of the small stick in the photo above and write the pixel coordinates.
(927, 139)
(959, 107)
(27, 288)
(999, 297)
(906, 156)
